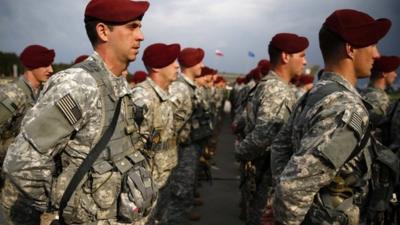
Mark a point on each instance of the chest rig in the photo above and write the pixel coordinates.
(120, 148)
(121, 154)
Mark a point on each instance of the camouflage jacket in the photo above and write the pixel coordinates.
(380, 102)
(20, 96)
(182, 99)
(268, 109)
(395, 127)
(314, 146)
(157, 124)
(29, 162)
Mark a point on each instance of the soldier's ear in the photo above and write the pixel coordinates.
(349, 50)
(102, 31)
(285, 57)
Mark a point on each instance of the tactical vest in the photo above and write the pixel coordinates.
(138, 192)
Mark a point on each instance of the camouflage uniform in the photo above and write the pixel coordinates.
(183, 176)
(315, 146)
(157, 123)
(380, 102)
(16, 99)
(67, 121)
(267, 111)
(395, 128)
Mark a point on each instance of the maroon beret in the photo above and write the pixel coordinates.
(256, 74)
(80, 58)
(305, 79)
(35, 56)
(263, 65)
(219, 79)
(189, 57)
(357, 28)
(160, 55)
(137, 77)
(289, 43)
(386, 64)
(115, 11)
(206, 71)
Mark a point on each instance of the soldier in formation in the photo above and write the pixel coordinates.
(268, 108)
(183, 179)
(85, 110)
(19, 96)
(322, 158)
(157, 124)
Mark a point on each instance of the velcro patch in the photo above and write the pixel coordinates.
(356, 124)
(69, 108)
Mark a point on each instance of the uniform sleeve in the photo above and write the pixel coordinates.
(271, 115)
(324, 149)
(281, 150)
(181, 104)
(64, 107)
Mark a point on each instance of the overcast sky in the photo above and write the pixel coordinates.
(232, 26)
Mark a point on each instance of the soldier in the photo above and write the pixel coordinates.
(83, 110)
(157, 125)
(383, 75)
(319, 157)
(268, 109)
(183, 101)
(19, 96)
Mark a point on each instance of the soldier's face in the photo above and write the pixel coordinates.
(170, 72)
(125, 41)
(297, 61)
(196, 69)
(42, 74)
(390, 78)
(363, 59)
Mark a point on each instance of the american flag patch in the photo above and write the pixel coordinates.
(356, 123)
(69, 108)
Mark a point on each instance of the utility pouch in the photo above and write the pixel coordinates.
(201, 129)
(138, 191)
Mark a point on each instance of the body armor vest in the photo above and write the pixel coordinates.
(138, 192)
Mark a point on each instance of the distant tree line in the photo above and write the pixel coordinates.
(8, 59)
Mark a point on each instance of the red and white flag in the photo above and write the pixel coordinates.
(219, 53)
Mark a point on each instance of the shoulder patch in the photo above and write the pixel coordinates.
(69, 108)
(356, 124)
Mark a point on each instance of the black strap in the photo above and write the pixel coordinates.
(88, 162)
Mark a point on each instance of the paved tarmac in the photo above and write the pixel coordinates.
(221, 199)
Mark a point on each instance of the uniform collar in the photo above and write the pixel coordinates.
(187, 80)
(330, 76)
(273, 75)
(119, 84)
(34, 91)
(163, 95)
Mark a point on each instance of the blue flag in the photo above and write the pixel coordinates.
(251, 54)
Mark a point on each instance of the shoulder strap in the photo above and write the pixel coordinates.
(310, 99)
(89, 160)
(321, 93)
